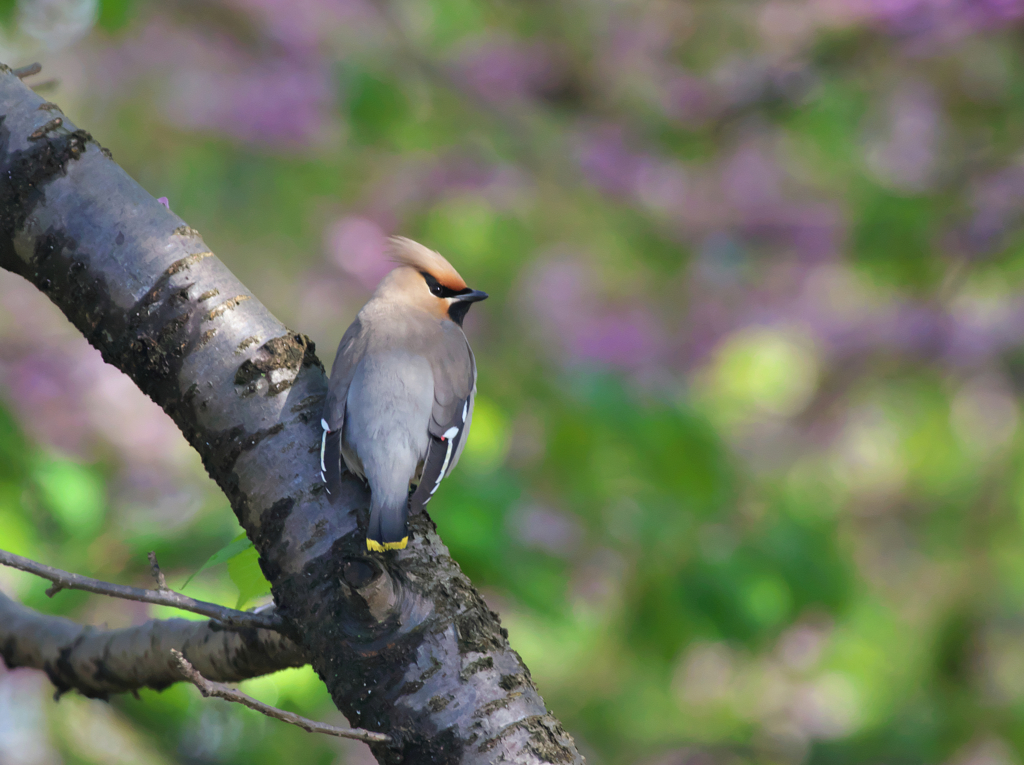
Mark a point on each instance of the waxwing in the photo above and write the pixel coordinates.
(400, 398)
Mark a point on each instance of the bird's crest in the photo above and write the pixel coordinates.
(414, 255)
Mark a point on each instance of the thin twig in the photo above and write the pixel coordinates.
(218, 690)
(27, 71)
(158, 575)
(63, 580)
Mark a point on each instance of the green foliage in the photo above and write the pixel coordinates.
(455, 19)
(115, 15)
(377, 107)
(73, 494)
(243, 567)
(235, 547)
(8, 8)
(244, 570)
(893, 238)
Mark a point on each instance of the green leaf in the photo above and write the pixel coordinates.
(244, 570)
(74, 494)
(236, 546)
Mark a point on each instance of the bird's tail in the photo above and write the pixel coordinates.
(388, 529)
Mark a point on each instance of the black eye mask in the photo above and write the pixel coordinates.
(438, 289)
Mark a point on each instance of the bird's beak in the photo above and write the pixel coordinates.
(473, 297)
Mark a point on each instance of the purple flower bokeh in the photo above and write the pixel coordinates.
(306, 25)
(358, 247)
(501, 69)
(691, 100)
(607, 161)
(568, 313)
(747, 192)
(997, 206)
(67, 398)
(904, 153)
(203, 80)
(940, 20)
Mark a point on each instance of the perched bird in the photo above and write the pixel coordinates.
(400, 398)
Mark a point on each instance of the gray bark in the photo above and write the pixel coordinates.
(101, 662)
(403, 641)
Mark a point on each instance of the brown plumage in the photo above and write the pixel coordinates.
(406, 252)
(400, 399)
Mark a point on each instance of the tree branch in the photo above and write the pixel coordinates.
(99, 662)
(27, 71)
(403, 642)
(64, 580)
(221, 691)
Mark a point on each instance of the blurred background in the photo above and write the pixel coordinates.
(744, 478)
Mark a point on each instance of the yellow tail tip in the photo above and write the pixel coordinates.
(374, 546)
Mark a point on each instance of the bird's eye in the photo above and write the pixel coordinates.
(437, 289)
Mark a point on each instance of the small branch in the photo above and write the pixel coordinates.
(99, 662)
(27, 71)
(158, 575)
(221, 691)
(63, 580)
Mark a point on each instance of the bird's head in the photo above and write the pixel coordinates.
(426, 280)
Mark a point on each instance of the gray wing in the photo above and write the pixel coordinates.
(350, 352)
(451, 416)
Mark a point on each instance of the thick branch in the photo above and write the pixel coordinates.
(64, 580)
(99, 662)
(403, 641)
(220, 691)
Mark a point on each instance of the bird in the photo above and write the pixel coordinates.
(400, 397)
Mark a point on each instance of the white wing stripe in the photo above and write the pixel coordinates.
(448, 436)
(323, 448)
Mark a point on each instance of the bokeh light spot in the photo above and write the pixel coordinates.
(762, 371)
(489, 439)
